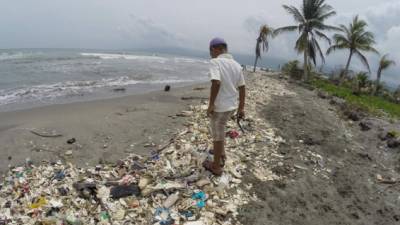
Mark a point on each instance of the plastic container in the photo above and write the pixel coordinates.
(171, 200)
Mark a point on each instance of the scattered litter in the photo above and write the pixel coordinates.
(383, 180)
(120, 89)
(185, 114)
(193, 98)
(233, 134)
(163, 216)
(171, 200)
(68, 153)
(47, 134)
(59, 175)
(121, 191)
(201, 197)
(71, 141)
(168, 187)
(194, 223)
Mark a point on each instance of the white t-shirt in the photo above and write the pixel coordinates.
(225, 69)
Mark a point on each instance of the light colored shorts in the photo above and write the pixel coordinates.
(218, 122)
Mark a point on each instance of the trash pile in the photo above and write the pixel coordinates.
(168, 187)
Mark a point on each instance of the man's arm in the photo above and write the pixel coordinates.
(242, 96)
(215, 84)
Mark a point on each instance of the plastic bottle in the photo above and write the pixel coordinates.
(223, 183)
(171, 200)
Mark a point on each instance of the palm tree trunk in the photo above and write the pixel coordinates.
(378, 81)
(346, 70)
(255, 64)
(305, 75)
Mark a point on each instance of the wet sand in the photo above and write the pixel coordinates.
(329, 166)
(105, 130)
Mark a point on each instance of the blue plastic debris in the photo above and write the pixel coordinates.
(201, 197)
(60, 175)
(163, 216)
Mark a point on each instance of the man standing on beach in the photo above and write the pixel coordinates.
(227, 86)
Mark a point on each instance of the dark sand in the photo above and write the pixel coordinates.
(346, 191)
(105, 130)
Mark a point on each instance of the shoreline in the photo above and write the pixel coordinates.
(105, 130)
(104, 93)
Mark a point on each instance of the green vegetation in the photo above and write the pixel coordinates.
(310, 24)
(393, 133)
(356, 88)
(373, 104)
(292, 68)
(355, 39)
(384, 64)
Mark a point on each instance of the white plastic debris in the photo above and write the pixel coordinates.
(160, 187)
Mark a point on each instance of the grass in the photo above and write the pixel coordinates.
(373, 104)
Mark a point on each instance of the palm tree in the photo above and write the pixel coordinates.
(384, 64)
(310, 25)
(356, 39)
(262, 42)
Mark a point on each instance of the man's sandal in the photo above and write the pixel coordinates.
(208, 165)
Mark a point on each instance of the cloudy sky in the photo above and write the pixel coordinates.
(122, 24)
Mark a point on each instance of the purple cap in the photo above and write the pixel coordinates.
(217, 41)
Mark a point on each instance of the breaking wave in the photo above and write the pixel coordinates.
(18, 55)
(143, 58)
(125, 56)
(70, 89)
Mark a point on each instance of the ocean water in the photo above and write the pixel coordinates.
(30, 78)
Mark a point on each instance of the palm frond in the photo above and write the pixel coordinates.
(311, 52)
(385, 63)
(367, 48)
(323, 36)
(341, 39)
(327, 15)
(285, 29)
(262, 40)
(295, 13)
(355, 38)
(362, 58)
(334, 48)
(316, 46)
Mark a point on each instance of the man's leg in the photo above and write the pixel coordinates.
(218, 153)
(218, 123)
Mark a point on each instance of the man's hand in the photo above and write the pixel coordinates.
(210, 110)
(240, 114)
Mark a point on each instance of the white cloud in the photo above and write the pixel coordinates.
(187, 24)
(146, 32)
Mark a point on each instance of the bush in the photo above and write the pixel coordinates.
(373, 104)
(362, 84)
(293, 69)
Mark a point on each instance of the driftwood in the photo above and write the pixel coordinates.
(36, 149)
(45, 135)
(194, 98)
(171, 141)
(391, 185)
(388, 181)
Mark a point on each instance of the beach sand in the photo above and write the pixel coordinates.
(105, 130)
(299, 162)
